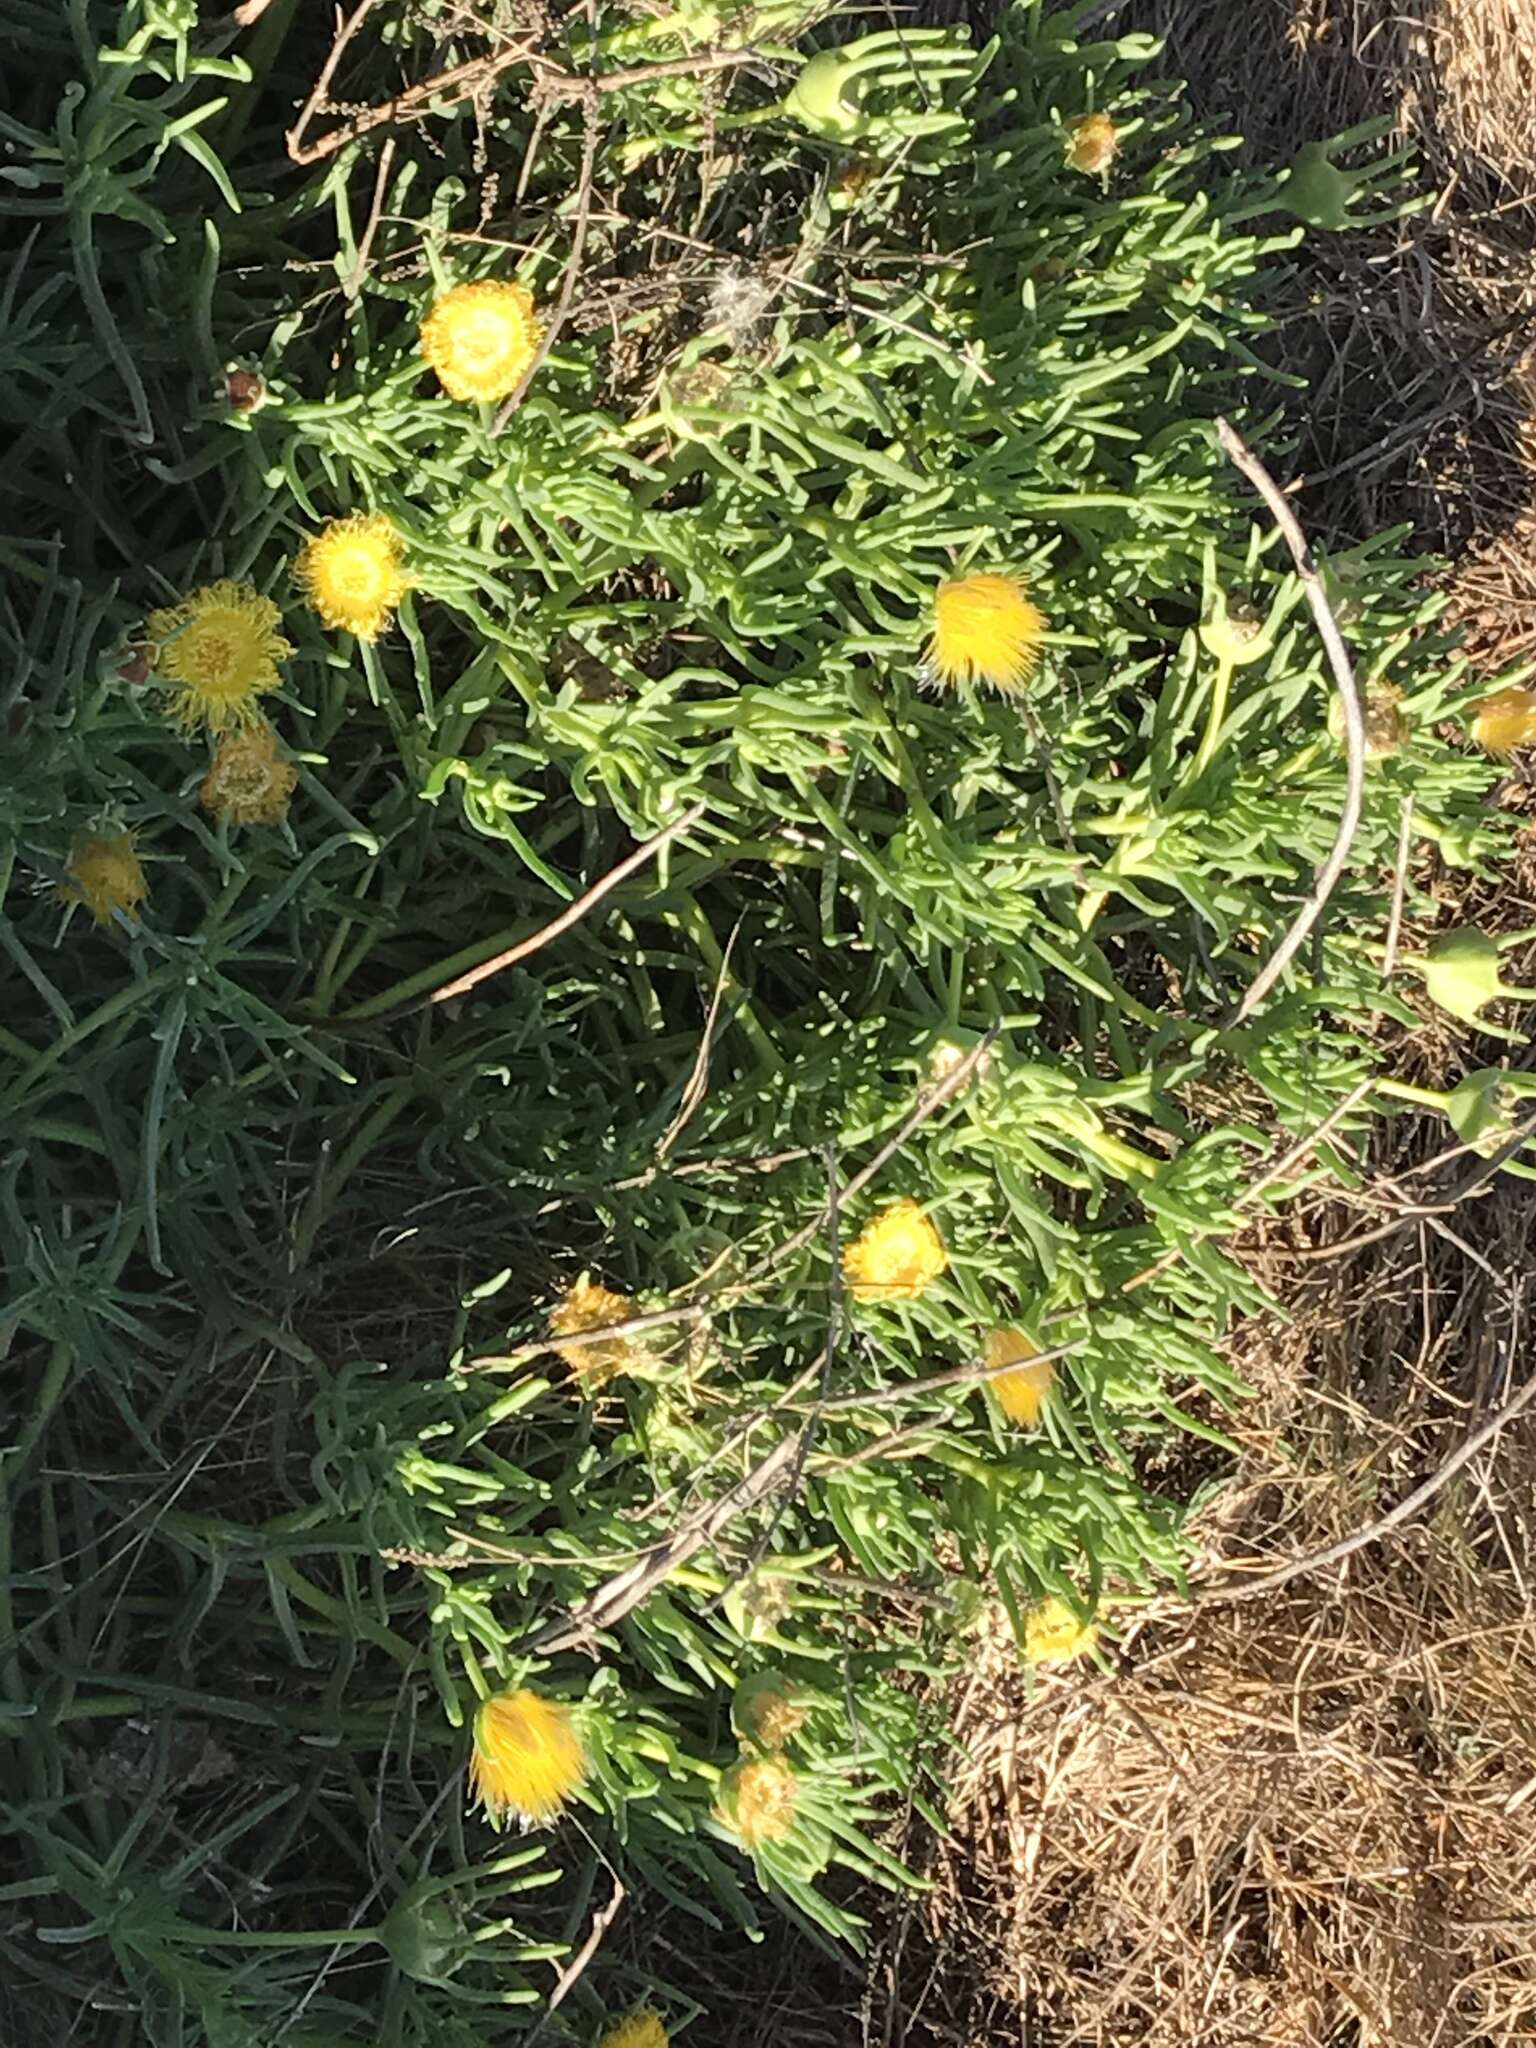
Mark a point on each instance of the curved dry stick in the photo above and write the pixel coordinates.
(646, 851)
(1335, 1553)
(1238, 452)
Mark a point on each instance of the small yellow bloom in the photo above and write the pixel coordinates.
(1020, 1394)
(757, 1800)
(642, 2028)
(527, 1758)
(591, 1306)
(1053, 1634)
(249, 783)
(219, 649)
(1092, 143)
(985, 630)
(350, 573)
(104, 875)
(480, 338)
(895, 1255)
(1505, 722)
(765, 1711)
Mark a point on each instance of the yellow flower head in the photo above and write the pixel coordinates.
(590, 1306)
(350, 573)
(985, 630)
(765, 1711)
(249, 783)
(895, 1255)
(1505, 722)
(1092, 143)
(480, 338)
(219, 649)
(642, 2028)
(757, 1800)
(1053, 1634)
(104, 875)
(527, 1758)
(1020, 1394)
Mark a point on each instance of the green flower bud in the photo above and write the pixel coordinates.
(425, 1937)
(1461, 975)
(1481, 1108)
(1236, 636)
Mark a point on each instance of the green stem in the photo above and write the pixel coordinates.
(56, 1378)
(307, 1937)
(1404, 1091)
(1215, 719)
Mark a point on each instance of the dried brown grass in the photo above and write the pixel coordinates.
(1309, 1820)
(1419, 349)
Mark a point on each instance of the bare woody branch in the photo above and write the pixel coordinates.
(1238, 452)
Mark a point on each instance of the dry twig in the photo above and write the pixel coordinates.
(573, 914)
(1240, 1588)
(576, 1968)
(552, 327)
(1285, 518)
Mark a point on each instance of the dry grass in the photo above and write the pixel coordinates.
(1419, 349)
(1312, 1819)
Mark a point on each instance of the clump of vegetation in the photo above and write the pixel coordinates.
(466, 1315)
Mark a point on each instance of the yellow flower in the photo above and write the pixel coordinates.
(765, 1711)
(350, 573)
(642, 2028)
(527, 1758)
(985, 630)
(757, 1800)
(1505, 721)
(895, 1255)
(249, 783)
(219, 648)
(591, 1306)
(104, 875)
(1053, 1634)
(1092, 143)
(1020, 1394)
(480, 338)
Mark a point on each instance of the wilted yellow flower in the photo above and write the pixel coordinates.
(249, 783)
(895, 1255)
(480, 338)
(1020, 1394)
(765, 1711)
(642, 2028)
(1092, 143)
(527, 1758)
(985, 630)
(765, 1600)
(1053, 1634)
(350, 573)
(1505, 722)
(1386, 729)
(757, 1800)
(104, 875)
(219, 648)
(591, 1306)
